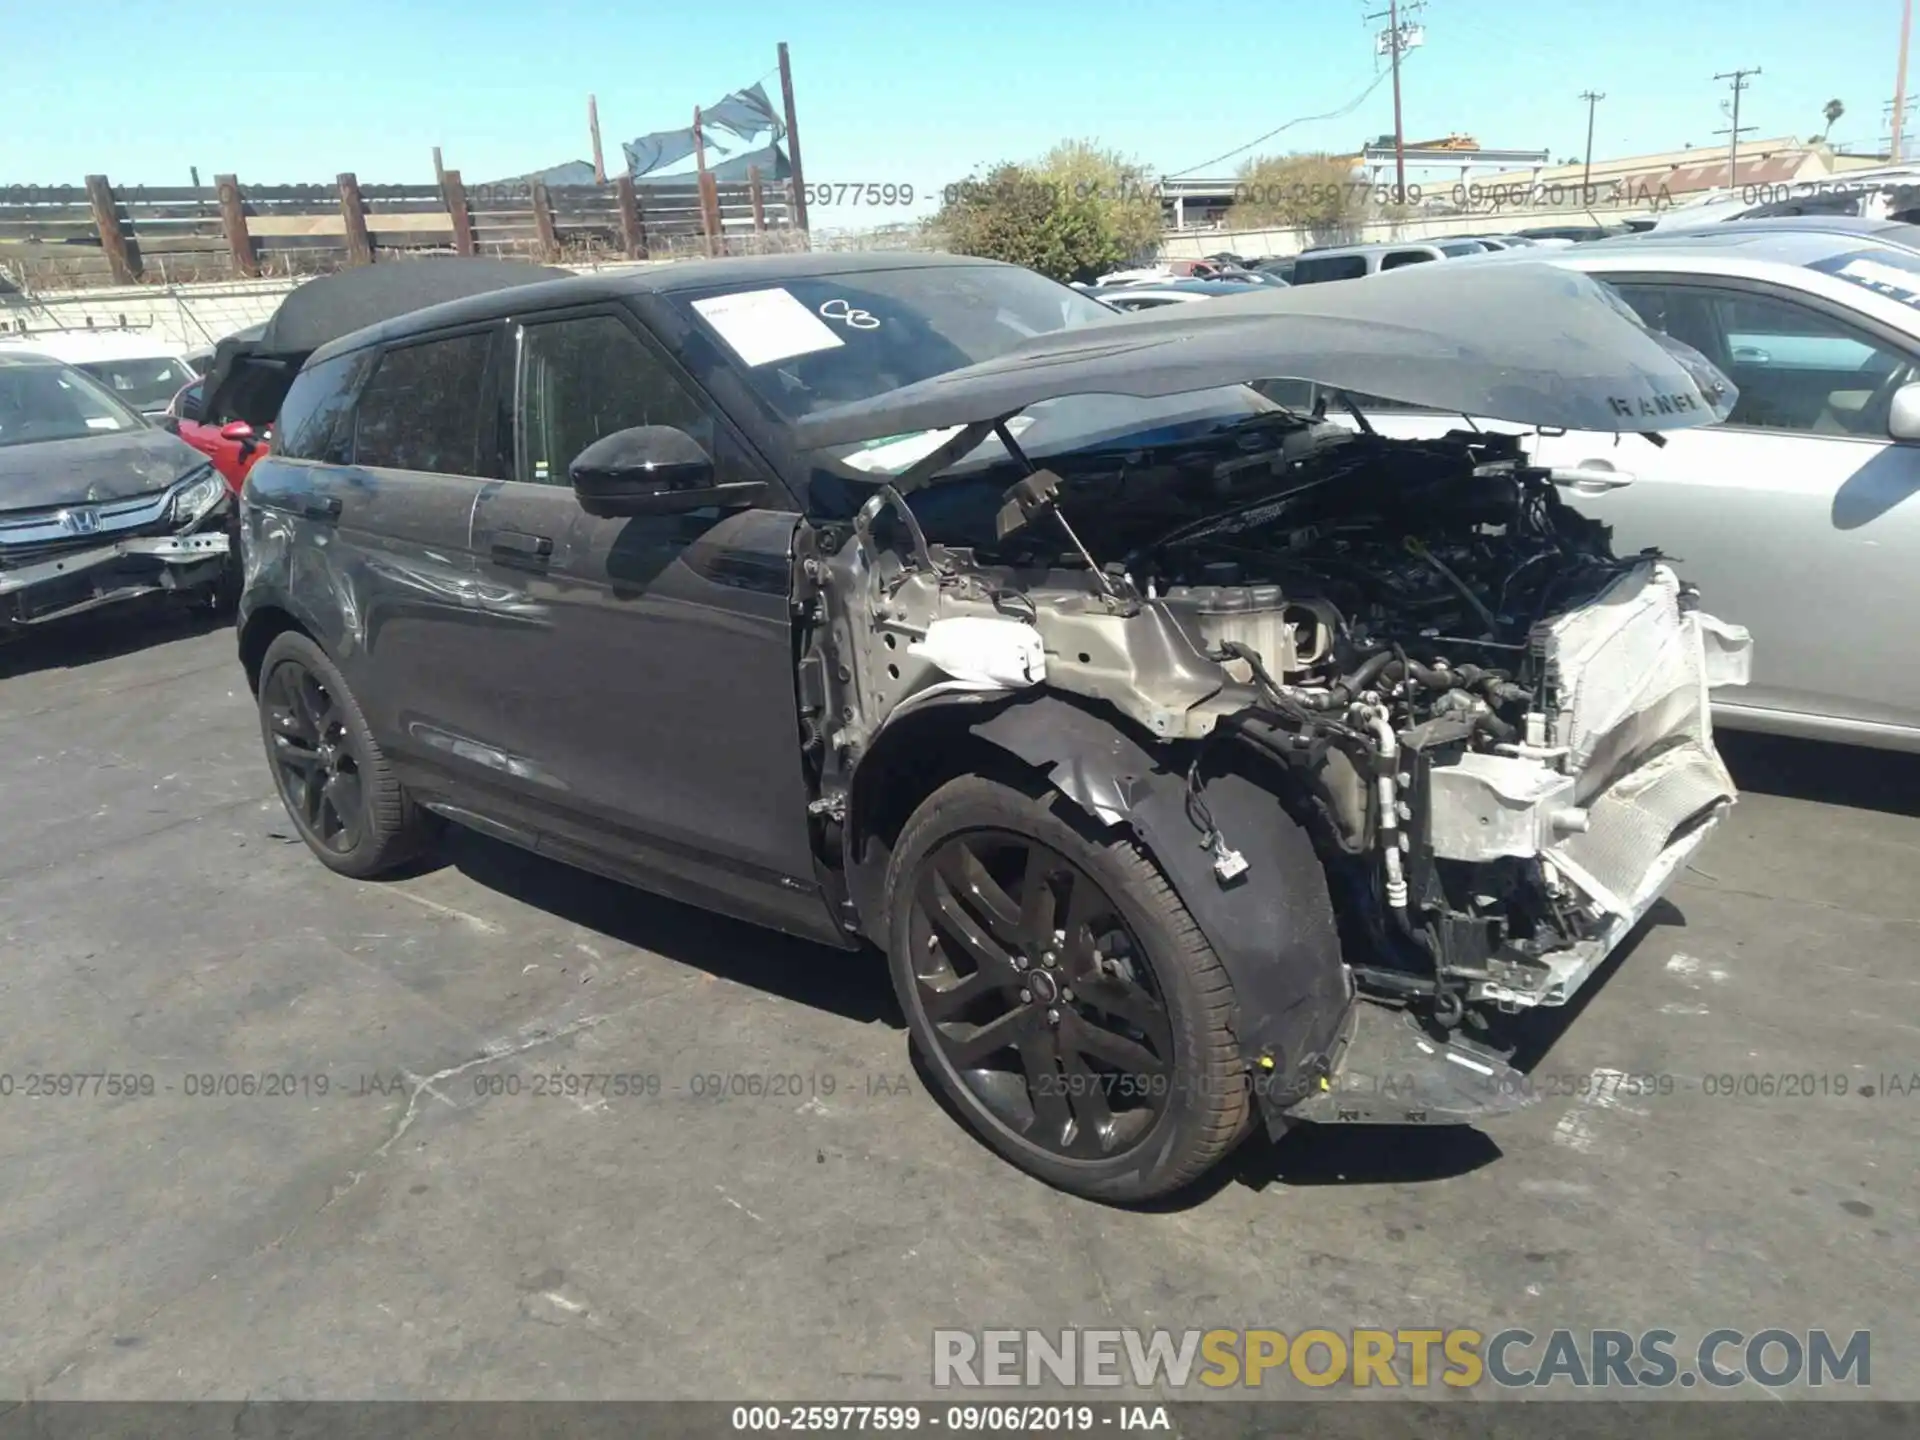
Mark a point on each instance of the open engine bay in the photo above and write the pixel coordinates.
(1495, 730)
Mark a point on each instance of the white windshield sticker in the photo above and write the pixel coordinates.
(762, 326)
(102, 422)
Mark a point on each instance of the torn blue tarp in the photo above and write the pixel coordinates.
(745, 114)
(573, 172)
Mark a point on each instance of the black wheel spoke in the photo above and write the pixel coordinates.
(342, 797)
(984, 898)
(292, 756)
(1037, 901)
(312, 704)
(946, 1002)
(953, 922)
(1092, 1115)
(1052, 1118)
(1125, 1001)
(1084, 912)
(1083, 1037)
(967, 1051)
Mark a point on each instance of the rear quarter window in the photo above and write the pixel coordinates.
(1332, 267)
(316, 418)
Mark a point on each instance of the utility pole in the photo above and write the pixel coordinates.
(1739, 79)
(593, 128)
(798, 216)
(1593, 98)
(1396, 43)
(1900, 80)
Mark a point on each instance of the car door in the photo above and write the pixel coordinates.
(1797, 517)
(645, 674)
(401, 566)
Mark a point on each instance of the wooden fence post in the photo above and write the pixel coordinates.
(113, 240)
(759, 206)
(359, 244)
(233, 222)
(633, 225)
(543, 222)
(710, 214)
(453, 191)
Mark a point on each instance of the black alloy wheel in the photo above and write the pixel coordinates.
(1063, 998)
(1037, 995)
(313, 757)
(340, 792)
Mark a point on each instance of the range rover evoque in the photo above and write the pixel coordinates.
(1199, 764)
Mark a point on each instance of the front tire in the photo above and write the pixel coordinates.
(1062, 995)
(339, 790)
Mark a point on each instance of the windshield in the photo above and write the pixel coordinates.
(814, 342)
(57, 402)
(146, 384)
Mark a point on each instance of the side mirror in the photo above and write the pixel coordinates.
(236, 430)
(652, 470)
(1903, 415)
(170, 424)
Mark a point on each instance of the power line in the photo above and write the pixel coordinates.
(1346, 109)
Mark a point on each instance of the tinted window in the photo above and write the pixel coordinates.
(421, 409)
(1334, 267)
(146, 384)
(316, 417)
(1404, 257)
(1797, 368)
(582, 379)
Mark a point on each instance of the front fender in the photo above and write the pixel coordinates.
(1273, 927)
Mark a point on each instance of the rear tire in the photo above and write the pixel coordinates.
(1061, 994)
(338, 788)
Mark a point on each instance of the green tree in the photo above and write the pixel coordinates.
(1020, 215)
(1832, 111)
(1310, 191)
(1121, 190)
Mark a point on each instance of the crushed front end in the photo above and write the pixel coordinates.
(1495, 732)
(61, 560)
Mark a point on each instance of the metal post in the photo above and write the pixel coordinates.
(793, 140)
(1593, 98)
(1399, 135)
(593, 127)
(1739, 79)
(1900, 81)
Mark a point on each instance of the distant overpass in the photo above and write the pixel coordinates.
(1190, 201)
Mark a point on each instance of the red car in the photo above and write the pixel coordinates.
(232, 447)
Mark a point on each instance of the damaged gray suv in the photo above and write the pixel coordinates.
(1199, 764)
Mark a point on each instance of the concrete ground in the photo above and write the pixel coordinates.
(421, 1230)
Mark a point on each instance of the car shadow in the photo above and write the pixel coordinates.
(852, 984)
(103, 634)
(1851, 775)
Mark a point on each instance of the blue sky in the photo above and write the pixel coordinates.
(895, 92)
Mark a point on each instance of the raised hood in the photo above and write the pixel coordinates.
(1528, 343)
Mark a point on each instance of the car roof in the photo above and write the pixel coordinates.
(83, 347)
(662, 279)
(20, 358)
(1375, 248)
(1886, 232)
(1798, 246)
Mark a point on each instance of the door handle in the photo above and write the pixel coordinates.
(1591, 479)
(515, 547)
(321, 507)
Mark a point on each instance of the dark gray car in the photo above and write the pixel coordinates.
(97, 504)
(1198, 764)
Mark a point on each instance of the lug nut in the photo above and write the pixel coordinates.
(1026, 994)
(1020, 962)
(1053, 1017)
(1049, 959)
